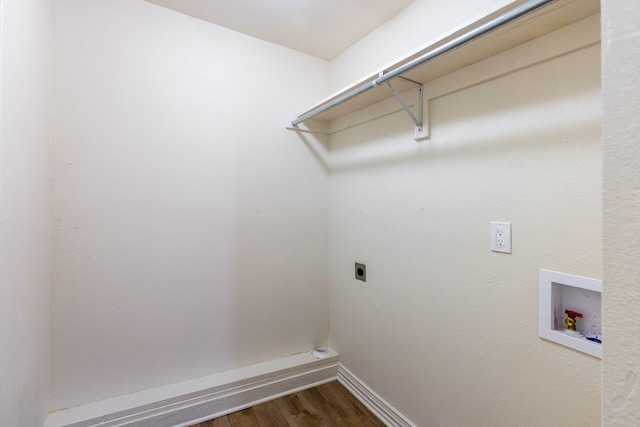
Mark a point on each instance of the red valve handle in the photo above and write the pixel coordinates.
(573, 314)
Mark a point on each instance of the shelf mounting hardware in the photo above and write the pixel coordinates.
(492, 25)
(418, 117)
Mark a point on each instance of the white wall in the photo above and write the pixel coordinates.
(23, 218)
(621, 153)
(190, 226)
(444, 329)
(25, 175)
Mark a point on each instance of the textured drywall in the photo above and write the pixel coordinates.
(621, 184)
(190, 227)
(444, 329)
(25, 175)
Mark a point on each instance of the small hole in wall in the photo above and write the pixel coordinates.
(361, 272)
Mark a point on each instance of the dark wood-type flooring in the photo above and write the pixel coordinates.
(329, 405)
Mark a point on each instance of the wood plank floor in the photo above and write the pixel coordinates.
(328, 405)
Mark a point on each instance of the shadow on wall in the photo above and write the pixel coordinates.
(318, 146)
(541, 116)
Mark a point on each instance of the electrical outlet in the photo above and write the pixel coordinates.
(501, 237)
(361, 272)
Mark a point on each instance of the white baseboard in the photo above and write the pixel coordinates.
(205, 398)
(377, 405)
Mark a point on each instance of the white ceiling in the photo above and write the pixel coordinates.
(322, 28)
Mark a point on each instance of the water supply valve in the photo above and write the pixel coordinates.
(570, 321)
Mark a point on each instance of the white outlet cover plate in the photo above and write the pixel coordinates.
(503, 228)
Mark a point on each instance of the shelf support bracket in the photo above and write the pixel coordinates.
(421, 131)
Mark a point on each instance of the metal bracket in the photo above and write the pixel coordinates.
(420, 132)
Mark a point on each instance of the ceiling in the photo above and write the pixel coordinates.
(322, 28)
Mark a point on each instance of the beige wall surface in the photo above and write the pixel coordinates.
(621, 166)
(177, 220)
(444, 329)
(189, 226)
(25, 178)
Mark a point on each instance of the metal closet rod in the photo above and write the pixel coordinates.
(502, 20)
